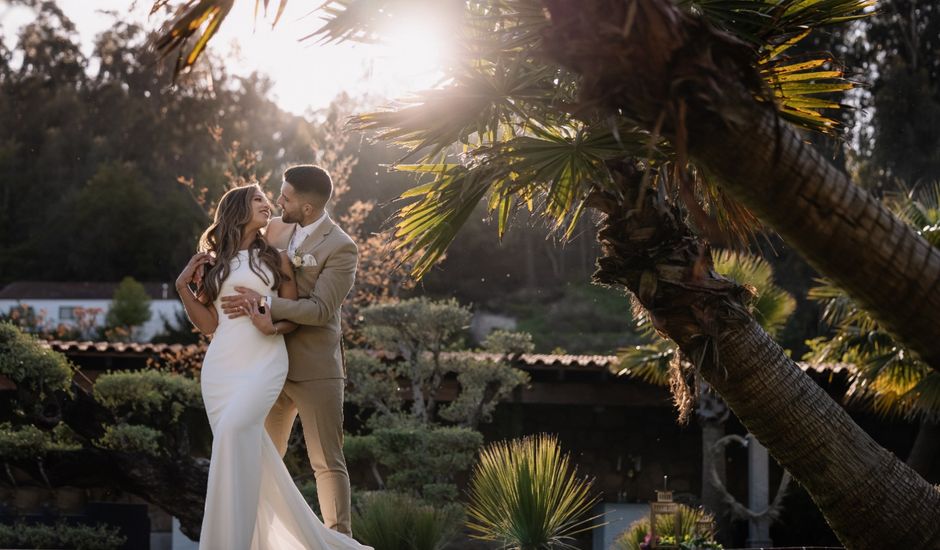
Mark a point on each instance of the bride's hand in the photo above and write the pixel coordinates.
(193, 271)
(261, 318)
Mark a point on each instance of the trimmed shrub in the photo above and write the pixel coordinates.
(61, 535)
(393, 521)
(143, 395)
(31, 366)
(131, 438)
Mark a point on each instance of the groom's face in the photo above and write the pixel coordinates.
(292, 205)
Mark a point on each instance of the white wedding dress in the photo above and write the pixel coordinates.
(251, 502)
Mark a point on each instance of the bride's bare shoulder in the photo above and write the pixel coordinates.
(276, 229)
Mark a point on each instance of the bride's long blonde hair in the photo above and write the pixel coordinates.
(222, 238)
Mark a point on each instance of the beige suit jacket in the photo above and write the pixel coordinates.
(315, 349)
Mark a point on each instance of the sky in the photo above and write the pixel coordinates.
(306, 75)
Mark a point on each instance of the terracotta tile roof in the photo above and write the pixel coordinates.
(117, 348)
(535, 360)
(51, 290)
(835, 368)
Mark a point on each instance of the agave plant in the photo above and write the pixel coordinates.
(525, 495)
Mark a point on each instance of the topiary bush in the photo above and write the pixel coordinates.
(141, 396)
(26, 442)
(394, 521)
(131, 438)
(32, 367)
(508, 341)
(61, 535)
(427, 460)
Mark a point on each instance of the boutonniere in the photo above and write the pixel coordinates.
(307, 260)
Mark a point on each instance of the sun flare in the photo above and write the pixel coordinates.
(412, 55)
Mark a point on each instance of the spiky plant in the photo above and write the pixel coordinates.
(524, 494)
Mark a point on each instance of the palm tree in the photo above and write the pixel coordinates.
(693, 76)
(539, 134)
(887, 377)
(657, 362)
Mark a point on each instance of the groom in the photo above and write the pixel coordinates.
(325, 260)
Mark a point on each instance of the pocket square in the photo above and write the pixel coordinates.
(307, 260)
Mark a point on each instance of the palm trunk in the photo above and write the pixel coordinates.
(675, 74)
(842, 230)
(871, 499)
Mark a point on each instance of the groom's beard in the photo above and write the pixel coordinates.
(286, 217)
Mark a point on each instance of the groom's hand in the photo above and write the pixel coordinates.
(239, 305)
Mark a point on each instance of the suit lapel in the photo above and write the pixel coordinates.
(318, 236)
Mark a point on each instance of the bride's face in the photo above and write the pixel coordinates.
(260, 212)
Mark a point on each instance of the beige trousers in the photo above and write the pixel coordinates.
(320, 406)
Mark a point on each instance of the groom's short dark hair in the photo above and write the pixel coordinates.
(310, 179)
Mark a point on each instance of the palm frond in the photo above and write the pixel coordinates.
(428, 226)
(489, 103)
(763, 22)
(195, 19)
(920, 208)
(649, 362)
(506, 26)
(354, 20)
(772, 306)
(801, 86)
(561, 165)
(915, 397)
(839, 309)
(558, 168)
(735, 221)
(773, 27)
(887, 378)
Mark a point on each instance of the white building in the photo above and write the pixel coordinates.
(58, 302)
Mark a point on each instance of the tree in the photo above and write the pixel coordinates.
(130, 307)
(419, 340)
(91, 150)
(898, 149)
(658, 362)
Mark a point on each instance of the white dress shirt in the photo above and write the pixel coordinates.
(297, 239)
(301, 234)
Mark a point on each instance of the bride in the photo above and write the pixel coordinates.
(251, 501)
